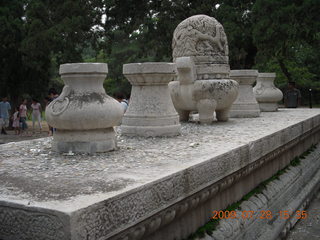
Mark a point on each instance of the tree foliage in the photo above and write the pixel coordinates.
(39, 35)
(285, 33)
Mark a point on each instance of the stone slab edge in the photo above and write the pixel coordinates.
(291, 192)
(23, 222)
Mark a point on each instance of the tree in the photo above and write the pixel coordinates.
(11, 30)
(282, 28)
(236, 17)
(38, 35)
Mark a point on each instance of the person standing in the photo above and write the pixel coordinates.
(122, 100)
(23, 115)
(292, 97)
(16, 121)
(53, 94)
(36, 113)
(5, 107)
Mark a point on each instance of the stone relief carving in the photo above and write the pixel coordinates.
(24, 225)
(200, 36)
(107, 218)
(150, 112)
(60, 104)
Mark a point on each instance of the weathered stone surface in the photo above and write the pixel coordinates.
(200, 50)
(266, 93)
(246, 105)
(308, 228)
(286, 196)
(150, 112)
(84, 114)
(148, 183)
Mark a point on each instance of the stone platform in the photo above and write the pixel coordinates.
(151, 188)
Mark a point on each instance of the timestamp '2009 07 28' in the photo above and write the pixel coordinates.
(262, 214)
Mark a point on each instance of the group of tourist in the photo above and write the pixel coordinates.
(20, 115)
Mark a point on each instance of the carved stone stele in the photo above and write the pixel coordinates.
(84, 115)
(246, 105)
(266, 93)
(200, 50)
(150, 112)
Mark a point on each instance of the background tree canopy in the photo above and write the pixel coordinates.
(39, 35)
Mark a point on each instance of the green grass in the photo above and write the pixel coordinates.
(211, 225)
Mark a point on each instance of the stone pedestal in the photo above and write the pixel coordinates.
(246, 105)
(266, 93)
(150, 112)
(84, 115)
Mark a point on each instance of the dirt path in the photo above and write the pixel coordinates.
(11, 137)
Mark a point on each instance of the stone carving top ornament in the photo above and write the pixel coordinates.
(200, 51)
(201, 35)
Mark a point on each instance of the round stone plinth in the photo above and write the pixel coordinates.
(268, 107)
(247, 111)
(151, 131)
(85, 141)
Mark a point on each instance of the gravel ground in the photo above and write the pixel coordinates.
(12, 137)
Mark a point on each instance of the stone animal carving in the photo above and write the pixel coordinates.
(200, 51)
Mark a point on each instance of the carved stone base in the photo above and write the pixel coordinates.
(268, 107)
(90, 141)
(151, 131)
(247, 111)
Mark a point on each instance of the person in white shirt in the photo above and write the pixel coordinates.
(36, 113)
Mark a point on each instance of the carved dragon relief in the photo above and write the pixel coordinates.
(200, 36)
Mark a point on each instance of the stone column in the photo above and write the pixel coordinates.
(150, 112)
(246, 105)
(266, 93)
(84, 114)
